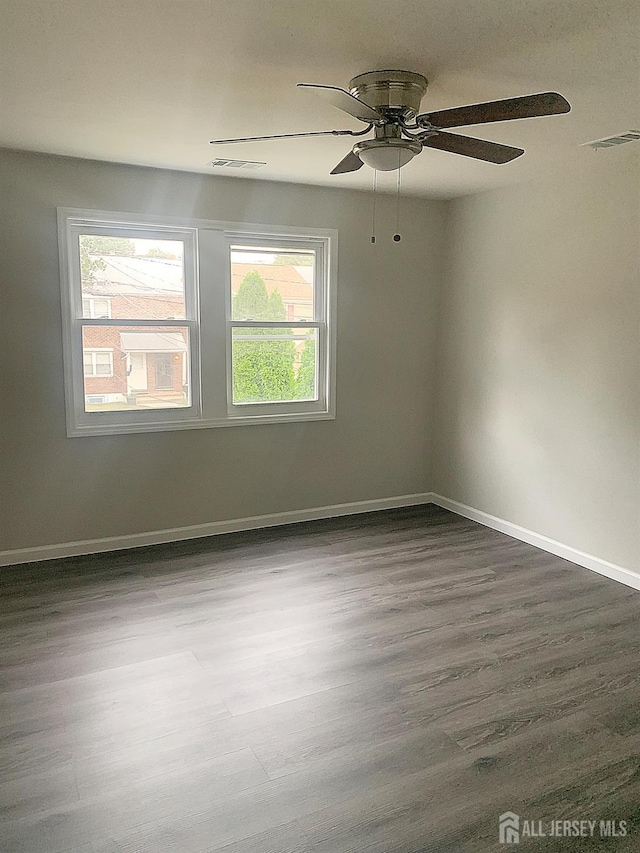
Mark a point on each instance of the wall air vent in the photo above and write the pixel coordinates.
(610, 141)
(237, 164)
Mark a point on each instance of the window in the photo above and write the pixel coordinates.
(96, 308)
(188, 324)
(97, 362)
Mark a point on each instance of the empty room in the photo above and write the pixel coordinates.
(320, 426)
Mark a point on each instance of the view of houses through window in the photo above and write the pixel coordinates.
(129, 366)
(272, 363)
(146, 366)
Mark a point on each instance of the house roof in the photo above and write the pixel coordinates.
(140, 276)
(134, 275)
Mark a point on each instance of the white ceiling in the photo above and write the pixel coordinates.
(151, 81)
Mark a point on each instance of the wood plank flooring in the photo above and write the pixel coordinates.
(384, 683)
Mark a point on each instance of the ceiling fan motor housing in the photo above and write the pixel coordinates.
(390, 92)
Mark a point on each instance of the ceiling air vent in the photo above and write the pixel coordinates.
(237, 164)
(620, 139)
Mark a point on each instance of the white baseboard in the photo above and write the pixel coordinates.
(588, 561)
(213, 528)
(197, 531)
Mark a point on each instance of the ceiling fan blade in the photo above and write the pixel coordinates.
(469, 146)
(290, 136)
(350, 163)
(344, 101)
(529, 106)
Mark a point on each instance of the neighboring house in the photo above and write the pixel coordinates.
(145, 364)
(149, 364)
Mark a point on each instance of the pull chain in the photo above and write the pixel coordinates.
(396, 236)
(373, 218)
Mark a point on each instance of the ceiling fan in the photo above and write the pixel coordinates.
(388, 102)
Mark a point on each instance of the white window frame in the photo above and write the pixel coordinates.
(93, 351)
(319, 322)
(92, 309)
(208, 319)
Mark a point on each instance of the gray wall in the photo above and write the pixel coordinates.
(539, 356)
(61, 490)
(536, 414)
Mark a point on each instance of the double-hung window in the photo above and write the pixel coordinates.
(173, 324)
(97, 362)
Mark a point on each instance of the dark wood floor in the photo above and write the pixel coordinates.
(388, 683)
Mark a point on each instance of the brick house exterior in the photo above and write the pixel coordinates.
(145, 363)
(108, 339)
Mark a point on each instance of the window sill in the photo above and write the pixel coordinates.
(201, 423)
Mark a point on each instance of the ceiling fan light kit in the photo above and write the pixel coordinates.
(388, 102)
(386, 155)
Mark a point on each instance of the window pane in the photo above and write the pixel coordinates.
(100, 308)
(272, 284)
(274, 365)
(142, 278)
(103, 363)
(145, 368)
